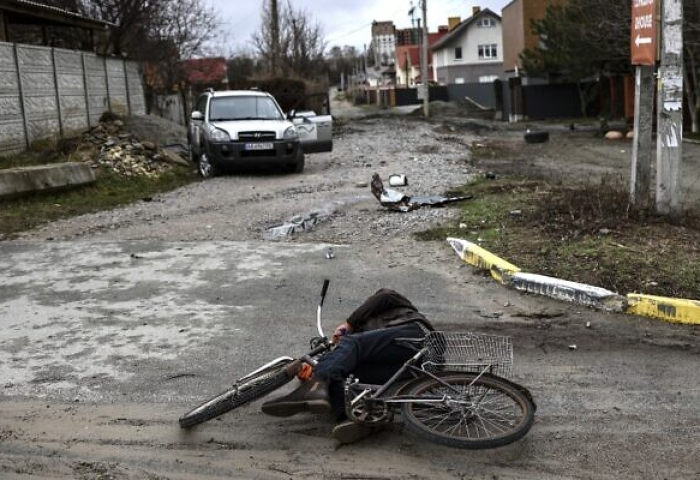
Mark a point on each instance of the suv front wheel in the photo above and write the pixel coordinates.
(205, 168)
(298, 165)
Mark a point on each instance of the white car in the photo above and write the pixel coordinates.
(237, 127)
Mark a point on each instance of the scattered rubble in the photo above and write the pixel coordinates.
(395, 200)
(110, 146)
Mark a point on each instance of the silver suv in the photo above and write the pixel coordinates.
(248, 127)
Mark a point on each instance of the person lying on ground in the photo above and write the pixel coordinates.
(366, 349)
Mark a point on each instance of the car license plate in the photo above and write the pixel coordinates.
(259, 146)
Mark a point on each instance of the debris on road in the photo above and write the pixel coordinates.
(329, 254)
(395, 200)
(398, 181)
(536, 136)
(298, 224)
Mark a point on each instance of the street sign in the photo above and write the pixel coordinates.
(644, 32)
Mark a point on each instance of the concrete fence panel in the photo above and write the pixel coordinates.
(134, 83)
(12, 137)
(116, 86)
(70, 83)
(38, 87)
(96, 81)
(49, 92)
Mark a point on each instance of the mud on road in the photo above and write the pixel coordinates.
(118, 322)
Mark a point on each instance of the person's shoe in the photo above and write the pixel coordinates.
(348, 432)
(310, 396)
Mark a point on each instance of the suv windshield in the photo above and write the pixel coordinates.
(243, 108)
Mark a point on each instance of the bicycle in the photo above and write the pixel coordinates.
(453, 391)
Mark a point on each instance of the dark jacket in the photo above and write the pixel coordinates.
(386, 308)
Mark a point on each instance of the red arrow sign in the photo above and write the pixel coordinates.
(644, 32)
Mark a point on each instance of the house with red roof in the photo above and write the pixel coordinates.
(203, 73)
(408, 72)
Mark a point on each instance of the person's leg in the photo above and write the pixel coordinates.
(373, 357)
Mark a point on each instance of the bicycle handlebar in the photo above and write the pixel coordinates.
(319, 323)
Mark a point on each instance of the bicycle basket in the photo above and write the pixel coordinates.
(469, 352)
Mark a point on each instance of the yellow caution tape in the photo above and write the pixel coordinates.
(669, 309)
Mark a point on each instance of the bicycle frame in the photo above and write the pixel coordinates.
(375, 392)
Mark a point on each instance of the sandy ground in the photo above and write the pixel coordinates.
(129, 318)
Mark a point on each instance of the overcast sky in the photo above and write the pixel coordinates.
(345, 22)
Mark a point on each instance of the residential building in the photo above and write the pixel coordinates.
(518, 36)
(472, 52)
(33, 23)
(408, 72)
(383, 43)
(408, 36)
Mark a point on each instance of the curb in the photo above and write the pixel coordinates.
(660, 308)
(478, 257)
(20, 181)
(673, 310)
(578, 293)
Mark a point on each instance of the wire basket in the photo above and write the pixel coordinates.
(469, 352)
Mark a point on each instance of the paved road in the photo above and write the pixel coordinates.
(129, 317)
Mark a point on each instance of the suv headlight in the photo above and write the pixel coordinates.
(218, 135)
(291, 134)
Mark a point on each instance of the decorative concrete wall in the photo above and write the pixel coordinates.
(47, 92)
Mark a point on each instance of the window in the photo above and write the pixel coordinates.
(243, 108)
(488, 78)
(458, 53)
(486, 22)
(488, 52)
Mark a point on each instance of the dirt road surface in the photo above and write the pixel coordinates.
(114, 324)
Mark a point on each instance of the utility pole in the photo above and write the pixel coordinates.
(640, 175)
(670, 111)
(275, 34)
(424, 61)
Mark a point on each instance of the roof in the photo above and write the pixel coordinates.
(457, 31)
(205, 71)
(54, 13)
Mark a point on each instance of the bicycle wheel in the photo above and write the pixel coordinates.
(241, 394)
(466, 413)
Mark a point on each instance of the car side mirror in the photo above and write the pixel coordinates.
(291, 114)
(197, 116)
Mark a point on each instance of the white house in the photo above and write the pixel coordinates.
(472, 52)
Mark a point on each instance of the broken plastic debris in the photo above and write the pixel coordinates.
(573, 347)
(398, 181)
(394, 200)
(297, 224)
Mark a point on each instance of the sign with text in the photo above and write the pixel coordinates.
(644, 32)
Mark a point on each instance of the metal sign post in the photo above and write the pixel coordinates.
(670, 111)
(643, 44)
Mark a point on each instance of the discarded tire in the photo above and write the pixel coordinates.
(536, 137)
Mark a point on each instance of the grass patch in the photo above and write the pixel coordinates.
(110, 191)
(584, 233)
(42, 152)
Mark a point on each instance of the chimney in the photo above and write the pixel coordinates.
(452, 22)
(476, 10)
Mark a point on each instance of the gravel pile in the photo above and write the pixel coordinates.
(122, 152)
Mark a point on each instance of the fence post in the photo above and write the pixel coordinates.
(109, 100)
(20, 85)
(58, 93)
(86, 84)
(126, 86)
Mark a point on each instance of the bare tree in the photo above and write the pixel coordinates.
(299, 43)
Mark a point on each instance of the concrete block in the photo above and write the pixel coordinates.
(19, 181)
(478, 257)
(578, 293)
(669, 309)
